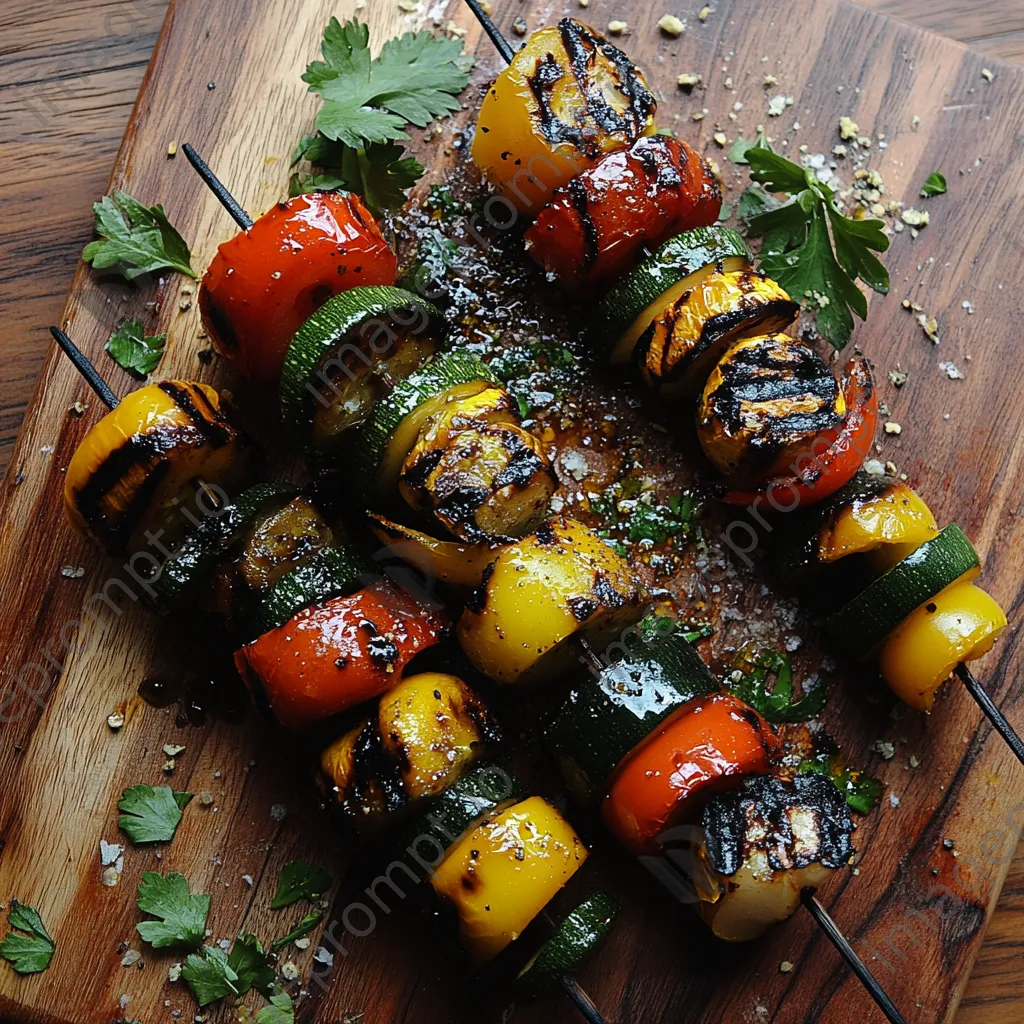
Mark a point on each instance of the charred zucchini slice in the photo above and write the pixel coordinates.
(689, 336)
(349, 354)
(607, 715)
(576, 937)
(281, 541)
(385, 440)
(199, 555)
(863, 623)
(331, 572)
(661, 280)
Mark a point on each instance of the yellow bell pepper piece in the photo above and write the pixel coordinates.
(894, 524)
(541, 591)
(961, 623)
(539, 127)
(501, 874)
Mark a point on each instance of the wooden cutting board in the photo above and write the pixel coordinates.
(227, 79)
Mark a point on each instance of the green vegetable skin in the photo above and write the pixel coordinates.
(198, 556)
(863, 623)
(334, 325)
(669, 263)
(433, 379)
(332, 572)
(579, 935)
(605, 717)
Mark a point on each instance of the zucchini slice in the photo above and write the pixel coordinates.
(388, 436)
(672, 269)
(349, 353)
(578, 935)
(863, 623)
(198, 556)
(330, 572)
(480, 789)
(607, 715)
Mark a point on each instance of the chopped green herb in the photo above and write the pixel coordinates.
(300, 880)
(280, 1011)
(134, 350)
(862, 792)
(307, 924)
(442, 199)
(934, 185)
(151, 814)
(812, 249)
(436, 256)
(139, 238)
(764, 679)
(660, 522)
(181, 915)
(724, 213)
(31, 952)
(215, 974)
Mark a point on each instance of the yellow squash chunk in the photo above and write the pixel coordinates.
(626, 345)
(431, 726)
(897, 521)
(539, 593)
(143, 463)
(501, 874)
(692, 332)
(961, 623)
(567, 98)
(764, 404)
(488, 482)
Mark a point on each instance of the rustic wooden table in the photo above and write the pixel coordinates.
(69, 74)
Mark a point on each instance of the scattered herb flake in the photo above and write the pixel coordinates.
(306, 925)
(31, 952)
(181, 914)
(300, 880)
(139, 238)
(151, 814)
(764, 679)
(280, 1011)
(934, 185)
(134, 350)
(862, 792)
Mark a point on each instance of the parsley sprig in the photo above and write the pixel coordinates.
(135, 238)
(31, 952)
(180, 914)
(133, 350)
(151, 814)
(810, 246)
(367, 104)
(217, 974)
(300, 880)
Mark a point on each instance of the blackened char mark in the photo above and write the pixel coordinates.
(577, 191)
(208, 420)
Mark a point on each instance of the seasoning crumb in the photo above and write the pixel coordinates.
(769, 80)
(78, 409)
(893, 428)
(618, 28)
(174, 972)
(704, 13)
(173, 749)
(172, 149)
(720, 138)
(951, 370)
(886, 749)
(671, 25)
(72, 572)
(115, 720)
(206, 798)
(914, 761)
(289, 971)
(132, 957)
(915, 218)
(169, 765)
(897, 378)
(519, 26)
(848, 129)
(688, 81)
(987, 75)
(279, 812)
(777, 104)
(785, 967)
(874, 467)
(930, 326)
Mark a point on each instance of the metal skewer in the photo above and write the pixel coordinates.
(501, 44)
(84, 366)
(836, 937)
(994, 715)
(214, 184)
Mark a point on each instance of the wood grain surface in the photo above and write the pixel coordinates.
(61, 768)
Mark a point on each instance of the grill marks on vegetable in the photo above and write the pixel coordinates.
(583, 48)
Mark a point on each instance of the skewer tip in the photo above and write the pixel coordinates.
(84, 366)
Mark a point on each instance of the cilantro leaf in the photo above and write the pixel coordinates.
(307, 924)
(139, 238)
(414, 79)
(300, 880)
(764, 680)
(215, 974)
(209, 976)
(280, 1011)
(151, 815)
(862, 792)
(934, 185)
(182, 914)
(134, 350)
(811, 248)
(32, 952)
